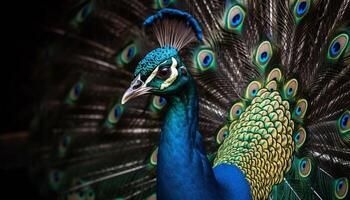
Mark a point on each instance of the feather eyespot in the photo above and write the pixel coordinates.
(158, 4)
(81, 194)
(115, 114)
(234, 18)
(222, 134)
(205, 60)
(83, 13)
(90, 194)
(341, 187)
(56, 176)
(275, 74)
(263, 54)
(291, 88)
(152, 197)
(75, 92)
(344, 123)
(337, 46)
(63, 145)
(305, 167)
(301, 8)
(252, 89)
(300, 109)
(85, 194)
(55, 179)
(127, 54)
(158, 103)
(154, 157)
(236, 110)
(65, 141)
(272, 86)
(300, 138)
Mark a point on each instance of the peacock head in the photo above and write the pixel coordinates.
(160, 72)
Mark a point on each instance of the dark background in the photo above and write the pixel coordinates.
(23, 33)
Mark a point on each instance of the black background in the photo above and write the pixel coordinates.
(23, 35)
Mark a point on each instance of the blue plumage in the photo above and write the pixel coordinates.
(178, 14)
(154, 58)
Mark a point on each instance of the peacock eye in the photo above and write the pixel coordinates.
(164, 73)
(301, 8)
(300, 138)
(252, 89)
(341, 187)
(263, 54)
(236, 110)
(159, 102)
(127, 54)
(90, 195)
(305, 167)
(75, 93)
(344, 123)
(337, 46)
(222, 134)
(154, 157)
(290, 88)
(272, 86)
(275, 74)
(84, 13)
(300, 109)
(55, 179)
(205, 59)
(234, 18)
(158, 4)
(114, 115)
(63, 145)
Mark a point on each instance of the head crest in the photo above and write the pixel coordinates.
(174, 27)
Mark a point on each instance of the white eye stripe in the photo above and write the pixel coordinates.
(150, 78)
(173, 75)
(170, 80)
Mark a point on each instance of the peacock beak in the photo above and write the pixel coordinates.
(137, 88)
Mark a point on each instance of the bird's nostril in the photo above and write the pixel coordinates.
(137, 84)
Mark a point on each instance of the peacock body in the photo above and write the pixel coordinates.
(250, 100)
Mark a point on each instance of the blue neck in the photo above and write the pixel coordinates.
(183, 169)
(179, 128)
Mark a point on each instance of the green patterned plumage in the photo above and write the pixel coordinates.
(260, 132)
(260, 142)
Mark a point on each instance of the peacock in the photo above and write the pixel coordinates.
(177, 99)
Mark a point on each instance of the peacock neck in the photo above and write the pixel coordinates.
(182, 163)
(181, 120)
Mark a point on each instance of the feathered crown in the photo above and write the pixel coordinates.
(174, 28)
